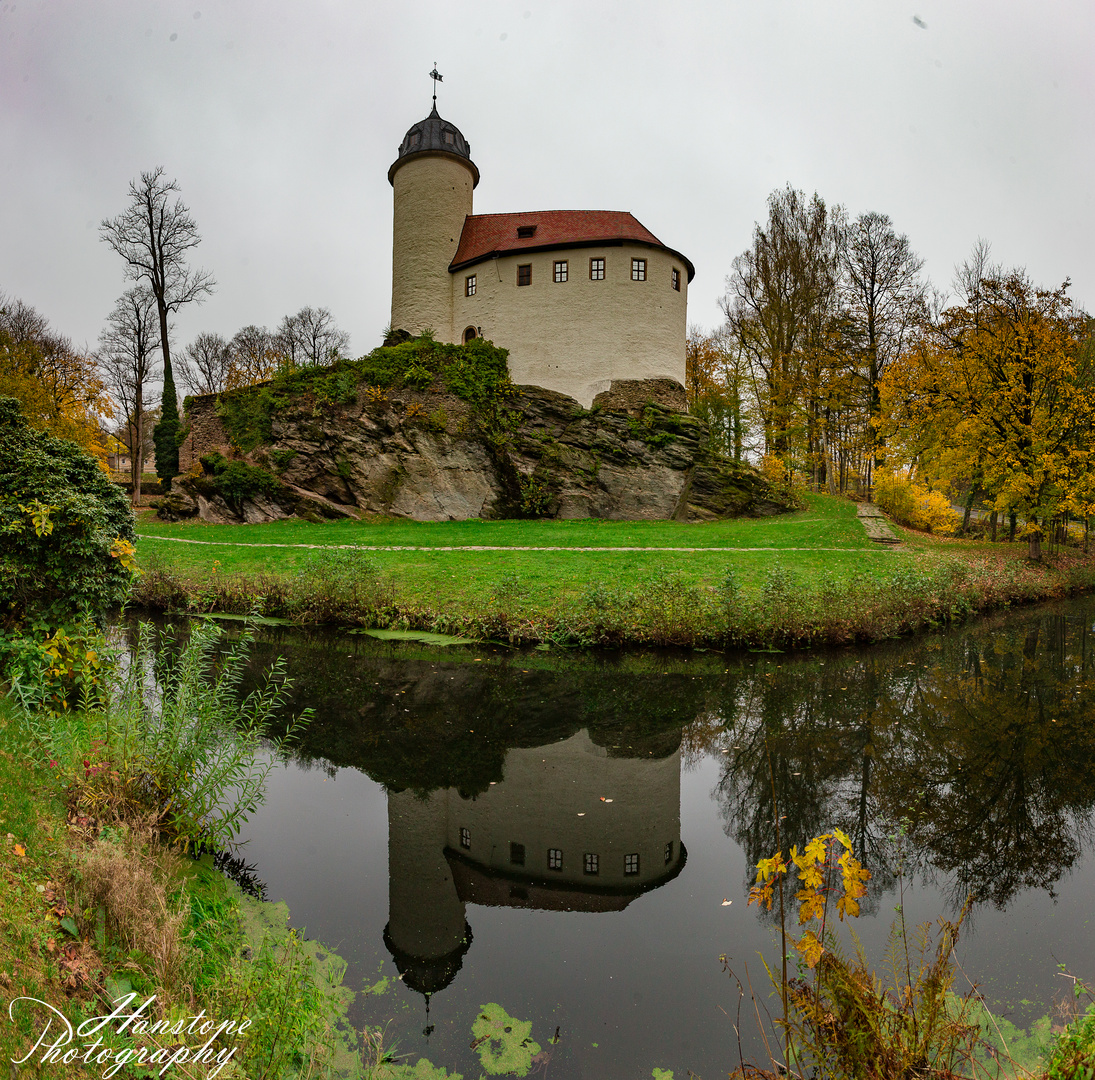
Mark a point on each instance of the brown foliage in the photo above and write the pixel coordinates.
(126, 879)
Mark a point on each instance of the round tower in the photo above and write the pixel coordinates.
(432, 178)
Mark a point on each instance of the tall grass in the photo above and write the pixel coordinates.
(176, 741)
(788, 608)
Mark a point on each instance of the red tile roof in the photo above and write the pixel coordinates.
(487, 235)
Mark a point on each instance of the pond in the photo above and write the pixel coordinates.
(572, 835)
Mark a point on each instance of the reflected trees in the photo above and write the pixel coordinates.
(976, 748)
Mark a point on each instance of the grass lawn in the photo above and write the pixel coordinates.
(809, 576)
(826, 536)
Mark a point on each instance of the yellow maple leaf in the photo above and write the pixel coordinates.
(810, 948)
(761, 894)
(815, 849)
(20, 850)
(812, 905)
(767, 868)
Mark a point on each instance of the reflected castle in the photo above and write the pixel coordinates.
(570, 828)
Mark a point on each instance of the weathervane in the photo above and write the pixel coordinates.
(437, 77)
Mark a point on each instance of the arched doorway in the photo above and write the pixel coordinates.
(469, 334)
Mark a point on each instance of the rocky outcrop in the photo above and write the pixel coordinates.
(431, 456)
(633, 395)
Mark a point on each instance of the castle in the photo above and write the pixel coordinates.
(585, 301)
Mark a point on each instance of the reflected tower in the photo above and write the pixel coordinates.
(570, 828)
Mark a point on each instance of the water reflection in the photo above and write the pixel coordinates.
(970, 755)
(569, 829)
(979, 747)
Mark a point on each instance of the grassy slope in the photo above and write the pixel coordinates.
(455, 578)
(453, 581)
(41, 865)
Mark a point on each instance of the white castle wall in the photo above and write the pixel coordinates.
(576, 337)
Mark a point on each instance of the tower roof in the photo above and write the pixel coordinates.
(436, 136)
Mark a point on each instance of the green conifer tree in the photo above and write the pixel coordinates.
(165, 435)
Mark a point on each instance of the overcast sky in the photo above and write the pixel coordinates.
(958, 119)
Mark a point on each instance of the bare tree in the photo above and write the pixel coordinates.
(153, 235)
(127, 349)
(206, 362)
(310, 337)
(252, 357)
(884, 299)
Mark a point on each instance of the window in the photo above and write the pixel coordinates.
(465, 838)
(469, 334)
(517, 854)
(450, 138)
(469, 285)
(596, 269)
(669, 853)
(676, 279)
(638, 269)
(525, 231)
(555, 858)
(524, 274)
(591, 864)
(631, 864)
(561, 270)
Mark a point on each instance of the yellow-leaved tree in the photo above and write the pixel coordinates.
(58, 386)
(998, 395)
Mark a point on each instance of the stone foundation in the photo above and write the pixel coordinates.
(205, 432)
(633, 395)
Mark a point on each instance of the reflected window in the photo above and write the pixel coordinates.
(591, 864)
(555, 858)
(669, 853)
(465, 838)
(517, 854)
(631, 863)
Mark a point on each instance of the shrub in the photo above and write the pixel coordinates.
(844, 1021)
(177, 745)
(477, 372)
(338, 585)
(66, 532)
(912, 504)
(1073, 1056)
(535, 498)
(61, 668)
(236, 480)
